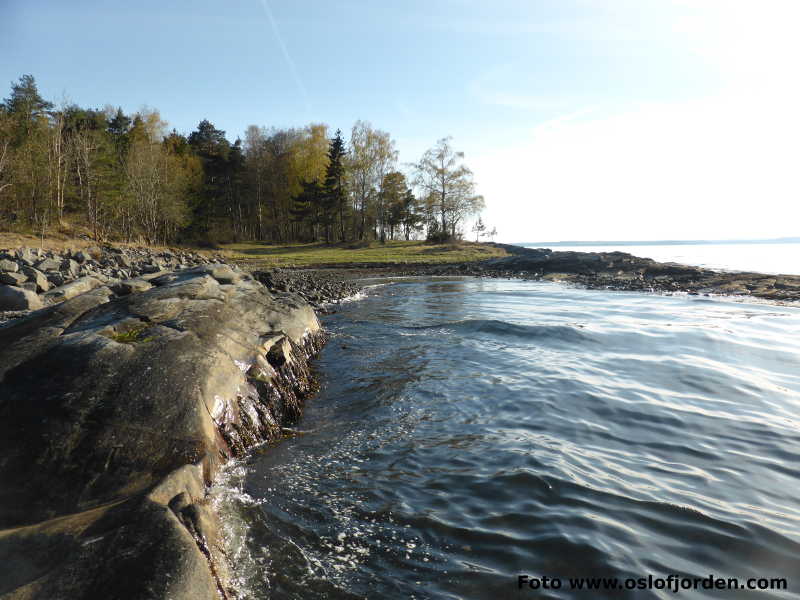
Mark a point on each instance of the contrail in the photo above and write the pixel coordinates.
(289, 61)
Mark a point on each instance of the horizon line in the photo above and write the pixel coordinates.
(787, 239)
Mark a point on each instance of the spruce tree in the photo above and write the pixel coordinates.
(334, 199)
(305, 207)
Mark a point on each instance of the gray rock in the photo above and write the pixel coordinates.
(37, 277)
(81, 257)
(122, 260)
(26, 255)
(72, 289)
(49, 264)
(219, 271)
(10, 278)
(152, 268)
(55, 278)
(69, 266)
(105, 459)
(8, 265)
(152, 277)
(15, 298)
(130, 286)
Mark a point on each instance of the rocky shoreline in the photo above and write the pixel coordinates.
(119, 404)
(604, 270)
(129, 376)
(31, 279)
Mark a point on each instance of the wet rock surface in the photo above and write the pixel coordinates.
(118, 406)
(317, 287)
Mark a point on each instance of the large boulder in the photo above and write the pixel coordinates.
(105, 459)
(16, 298)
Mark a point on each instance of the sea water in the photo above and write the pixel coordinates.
(470, 432)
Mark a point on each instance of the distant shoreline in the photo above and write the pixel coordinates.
(785, 240)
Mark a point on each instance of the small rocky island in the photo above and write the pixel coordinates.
(129, 376)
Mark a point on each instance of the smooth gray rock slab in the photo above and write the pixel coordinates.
(72, 289)
(15, 298)
(115, 413)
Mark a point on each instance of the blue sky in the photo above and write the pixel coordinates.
(582, 119)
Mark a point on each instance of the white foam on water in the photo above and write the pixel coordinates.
(351, 538)
(229, 501)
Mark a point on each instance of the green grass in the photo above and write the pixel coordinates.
(255, 255)
(132, 336)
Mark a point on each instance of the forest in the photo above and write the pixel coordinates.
(128, 177)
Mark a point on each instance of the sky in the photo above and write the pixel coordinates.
(581, 119)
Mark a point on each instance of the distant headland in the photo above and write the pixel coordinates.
(782, 240)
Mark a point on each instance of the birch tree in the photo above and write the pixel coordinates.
(372, 155)
(448, 184)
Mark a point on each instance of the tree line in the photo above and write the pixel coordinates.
(128, 177)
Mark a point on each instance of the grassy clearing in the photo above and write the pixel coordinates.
(50, 241)
(255, 255)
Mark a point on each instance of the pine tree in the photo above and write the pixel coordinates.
(213, 149)
(306, 207)
(26, 104)
(335, 194)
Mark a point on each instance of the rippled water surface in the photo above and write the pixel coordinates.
(469, 431)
